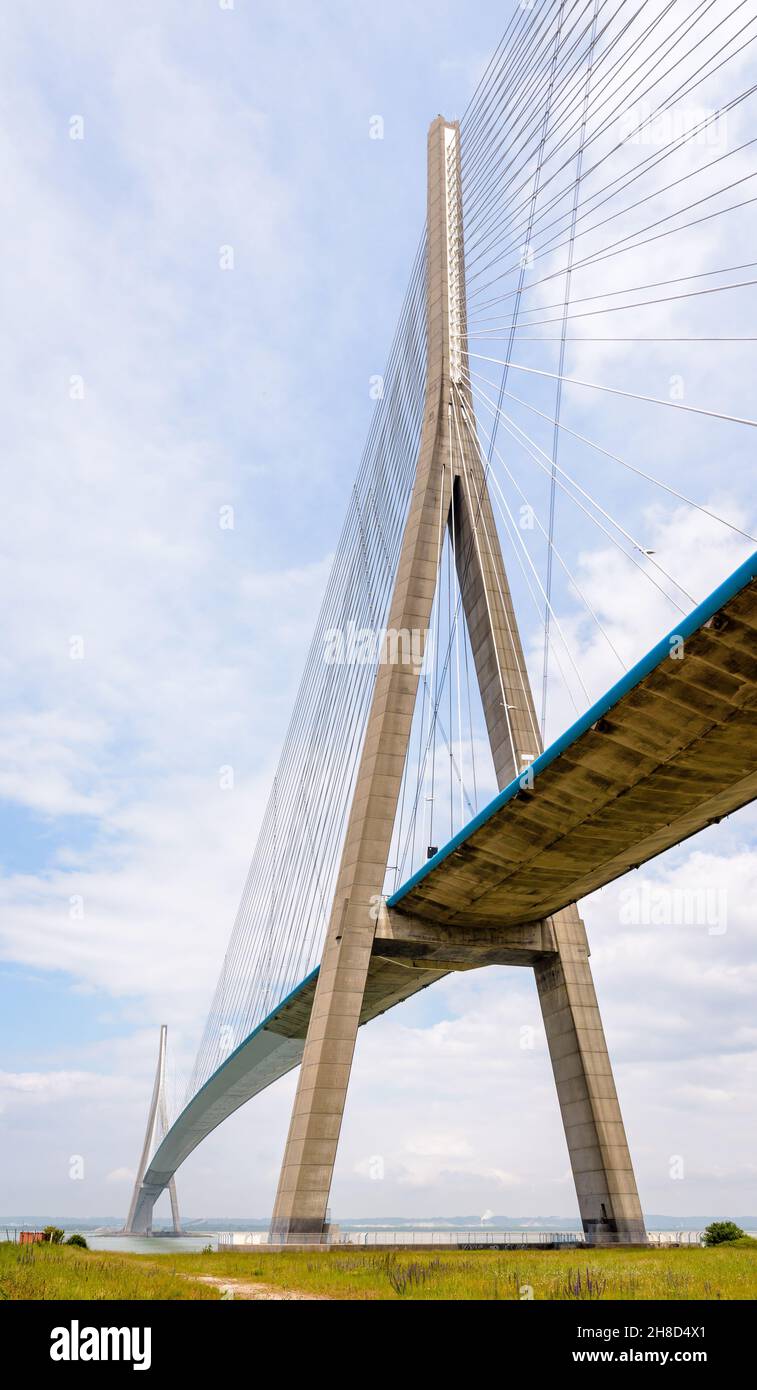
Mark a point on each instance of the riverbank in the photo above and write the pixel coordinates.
(55, 1272)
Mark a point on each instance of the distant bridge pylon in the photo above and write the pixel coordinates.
(157, 1128)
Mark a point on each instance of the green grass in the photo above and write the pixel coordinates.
(723, 1272)
(63, 1271)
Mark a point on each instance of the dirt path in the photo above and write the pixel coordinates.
(239, 1289)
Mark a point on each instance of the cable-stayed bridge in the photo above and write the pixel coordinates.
(422, 820)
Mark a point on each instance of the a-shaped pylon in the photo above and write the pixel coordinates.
(157, 1127)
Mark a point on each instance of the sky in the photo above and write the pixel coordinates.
(199, 287)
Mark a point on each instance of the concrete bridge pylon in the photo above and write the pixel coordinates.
(157, 1127)
(450, 493)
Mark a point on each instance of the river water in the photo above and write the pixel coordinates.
(151, 1245)
(167, 1245)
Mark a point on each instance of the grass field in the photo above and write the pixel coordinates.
(52, 1272)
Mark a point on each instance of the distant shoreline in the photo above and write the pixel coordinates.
(111, 1225)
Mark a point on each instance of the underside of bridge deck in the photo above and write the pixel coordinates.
(662, 756)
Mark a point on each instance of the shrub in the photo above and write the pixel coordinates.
(78, 1241)
(53, 1235)
(720, 1231)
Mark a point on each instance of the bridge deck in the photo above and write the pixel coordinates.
(668, 750)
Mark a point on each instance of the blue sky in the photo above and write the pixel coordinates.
(146, 389)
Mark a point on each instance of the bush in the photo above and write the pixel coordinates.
(78, 1241)
(721, 1231)
(53, 1235)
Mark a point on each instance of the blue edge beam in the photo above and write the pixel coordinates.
(686, 628)
(275, 1046)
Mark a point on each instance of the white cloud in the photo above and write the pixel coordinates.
(121, 1175)
(44, 1088)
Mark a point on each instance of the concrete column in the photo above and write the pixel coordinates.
(307, 1169)
(495, 642)
(164, 1128)
(599, 1155)
(487, 602)
(136, 1222)
(607, 1197)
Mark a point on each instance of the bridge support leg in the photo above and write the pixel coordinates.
(139, 1222)
(305, 1182)
(174, 1207)
(600, 1159)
